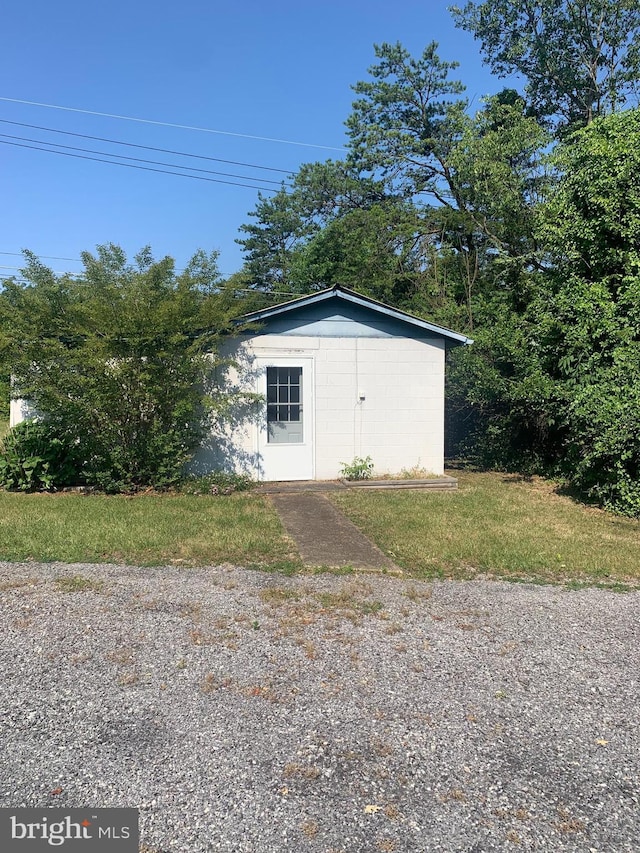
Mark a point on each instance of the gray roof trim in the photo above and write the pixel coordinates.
(454, 338)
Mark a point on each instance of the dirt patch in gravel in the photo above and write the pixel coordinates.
(242, 711)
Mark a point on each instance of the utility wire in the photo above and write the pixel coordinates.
(147, 147)
(136, 159)
(171, 124)
(143, 168)
(48, 257)
(55, 272)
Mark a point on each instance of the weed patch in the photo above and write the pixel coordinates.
(276, 596)
(78, 583)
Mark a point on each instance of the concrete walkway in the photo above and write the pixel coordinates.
(324, 536)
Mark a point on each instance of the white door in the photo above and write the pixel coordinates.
(285, 433)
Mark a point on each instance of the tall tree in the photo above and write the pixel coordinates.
(475, 179)
(427, 203)
(406, 120)
(384, 251)
(279, 226)
(580, 58)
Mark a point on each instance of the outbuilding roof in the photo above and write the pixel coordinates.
(350, 296)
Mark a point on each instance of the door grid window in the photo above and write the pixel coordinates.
(284, 405)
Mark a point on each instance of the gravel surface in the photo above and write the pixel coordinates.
(245, 711)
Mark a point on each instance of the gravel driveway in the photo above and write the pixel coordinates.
(245, 711)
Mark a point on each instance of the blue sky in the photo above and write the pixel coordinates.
(279, 70)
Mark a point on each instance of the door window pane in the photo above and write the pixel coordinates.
(284, 409)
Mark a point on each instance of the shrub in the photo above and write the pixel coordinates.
(121, 357)
(36, 456)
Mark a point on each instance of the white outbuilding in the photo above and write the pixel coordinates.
(334, 376)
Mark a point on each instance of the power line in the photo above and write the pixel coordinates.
(171, 124)
(143, 168)
(147, 147)
(48, 257)
(136, 159)
(55, 272)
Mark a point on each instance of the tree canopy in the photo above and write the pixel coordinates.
(116, 360)
(580, 58)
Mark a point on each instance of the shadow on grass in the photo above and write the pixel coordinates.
(511, 475)
(514, 475)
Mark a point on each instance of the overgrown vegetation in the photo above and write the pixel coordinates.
(36, 455)
(118, 361)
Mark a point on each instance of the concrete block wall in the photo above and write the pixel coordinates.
(380, 397)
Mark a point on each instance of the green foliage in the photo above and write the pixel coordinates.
(593, 220)
(503, 410)
(604, 451)
(406, 120)
(589, 317)
(118, 359)
(373, 250)
(36, 455)
(5, 394)
(580, 58)
(431, 205)
(360, 468)
(500, 176)
(281, 225)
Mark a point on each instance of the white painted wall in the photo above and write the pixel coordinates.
(374, 396)
(19, 410)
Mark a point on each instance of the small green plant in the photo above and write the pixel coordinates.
(360, 468)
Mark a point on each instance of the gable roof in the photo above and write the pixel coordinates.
(337, 292)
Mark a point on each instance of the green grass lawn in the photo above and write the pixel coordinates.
(498, 525)
(495, 525)
(143, 530)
